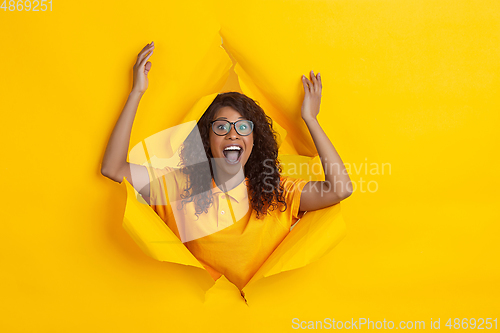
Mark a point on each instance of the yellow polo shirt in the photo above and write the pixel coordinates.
(229, 239)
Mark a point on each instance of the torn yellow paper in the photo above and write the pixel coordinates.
(223, 292)
(311, 238)
(151, 233)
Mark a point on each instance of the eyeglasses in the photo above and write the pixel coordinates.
(222, 127)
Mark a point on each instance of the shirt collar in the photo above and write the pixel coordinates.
(238, 193)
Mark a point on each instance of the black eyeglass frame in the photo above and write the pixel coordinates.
(233, 124)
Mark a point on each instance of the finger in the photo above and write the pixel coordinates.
(147, 47)
(145, 50)
(309, 83)
(305, 82)
(306, 89)
(143, 53)
(141, 57)
(145, 59)
(315, 82)
(147, 67)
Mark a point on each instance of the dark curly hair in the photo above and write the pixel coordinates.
(199, 180)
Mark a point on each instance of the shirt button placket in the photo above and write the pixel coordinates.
(224, 210)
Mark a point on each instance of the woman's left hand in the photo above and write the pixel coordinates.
(312, 96)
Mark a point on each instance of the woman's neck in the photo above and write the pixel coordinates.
(227, 182)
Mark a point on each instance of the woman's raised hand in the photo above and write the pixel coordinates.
(141, 69)
(312, 96)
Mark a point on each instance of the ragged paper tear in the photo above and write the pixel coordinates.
(313, 236)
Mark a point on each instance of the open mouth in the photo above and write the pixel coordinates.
(233, 154)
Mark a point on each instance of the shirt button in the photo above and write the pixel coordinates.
(222, 212)
(223, 196)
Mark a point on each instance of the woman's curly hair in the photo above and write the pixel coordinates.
(262, 168)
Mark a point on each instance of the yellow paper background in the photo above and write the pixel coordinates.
(413, 84)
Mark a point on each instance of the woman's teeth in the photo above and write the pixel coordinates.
(232, 154)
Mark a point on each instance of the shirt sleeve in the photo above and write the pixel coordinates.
(292, 191)
(161, 182)
(163, 187)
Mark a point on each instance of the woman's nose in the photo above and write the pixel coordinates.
(232, 132)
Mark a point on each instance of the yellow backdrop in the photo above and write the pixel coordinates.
(410, 101)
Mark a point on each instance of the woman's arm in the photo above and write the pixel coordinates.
(337, 185)
(116, 151)
(114, 163)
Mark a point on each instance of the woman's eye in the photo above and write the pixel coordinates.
(243, 127)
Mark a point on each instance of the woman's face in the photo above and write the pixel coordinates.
(226, 158)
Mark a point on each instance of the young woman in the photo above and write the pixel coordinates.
(233, 211)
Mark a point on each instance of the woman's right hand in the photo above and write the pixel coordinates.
(141, 69)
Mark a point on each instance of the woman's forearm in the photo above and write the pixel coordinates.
(116, 151)
(333, 167)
